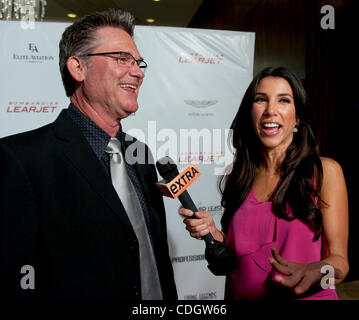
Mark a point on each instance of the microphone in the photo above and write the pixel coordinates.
(174, 185)
(222, 260)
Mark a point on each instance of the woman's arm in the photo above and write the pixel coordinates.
(202, 225)
(335, 216)
(300, 277)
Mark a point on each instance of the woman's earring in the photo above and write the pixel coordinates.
(295, 129)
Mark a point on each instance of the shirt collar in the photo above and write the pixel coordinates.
(96, 137)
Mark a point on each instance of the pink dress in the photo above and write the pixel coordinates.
(253, 231)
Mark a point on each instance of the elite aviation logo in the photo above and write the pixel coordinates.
(32, 55)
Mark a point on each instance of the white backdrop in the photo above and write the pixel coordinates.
(192, 89)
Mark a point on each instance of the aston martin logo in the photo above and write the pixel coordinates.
(201, 103)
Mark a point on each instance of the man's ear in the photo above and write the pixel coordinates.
(77, 68)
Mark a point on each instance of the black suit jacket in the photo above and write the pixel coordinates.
(60, 214)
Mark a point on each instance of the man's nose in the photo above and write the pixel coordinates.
(136, 71)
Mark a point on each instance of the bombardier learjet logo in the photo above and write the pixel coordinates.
(201, 103)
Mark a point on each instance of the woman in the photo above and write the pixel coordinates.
(286, 208)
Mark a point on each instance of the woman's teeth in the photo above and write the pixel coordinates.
(270, 125)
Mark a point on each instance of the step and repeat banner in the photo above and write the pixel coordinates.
(192, 89)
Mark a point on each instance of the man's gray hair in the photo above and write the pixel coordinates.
(79, 38)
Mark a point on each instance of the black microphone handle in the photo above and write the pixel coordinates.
(188, 203)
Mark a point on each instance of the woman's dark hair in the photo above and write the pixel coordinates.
(297, 170)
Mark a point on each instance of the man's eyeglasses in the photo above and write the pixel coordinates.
(123, 58)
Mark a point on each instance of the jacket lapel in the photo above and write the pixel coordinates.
(80, 154)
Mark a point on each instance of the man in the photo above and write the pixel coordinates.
(68, 228)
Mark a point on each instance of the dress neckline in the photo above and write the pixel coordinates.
(255, 198)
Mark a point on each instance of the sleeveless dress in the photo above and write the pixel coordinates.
(253, 231)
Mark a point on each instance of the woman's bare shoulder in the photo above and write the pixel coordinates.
(330, 166)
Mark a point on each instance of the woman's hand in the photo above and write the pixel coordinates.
(201, 225)
(300, 276)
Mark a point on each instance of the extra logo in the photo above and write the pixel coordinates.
(180, 183)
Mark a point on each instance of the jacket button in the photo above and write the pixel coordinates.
(134, 244)
(137, 291)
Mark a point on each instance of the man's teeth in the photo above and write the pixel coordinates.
(128, 86)
(270, 125)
